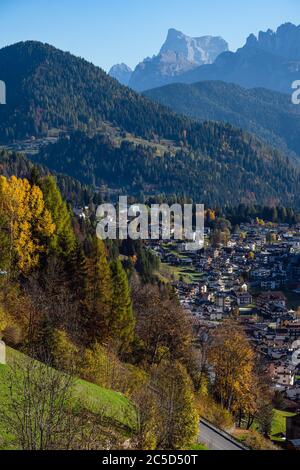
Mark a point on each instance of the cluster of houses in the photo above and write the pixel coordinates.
(252, 277)
(279, 344)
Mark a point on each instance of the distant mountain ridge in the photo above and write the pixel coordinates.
(268, 114)
(285, 42)
(180, 53)
(271, 60)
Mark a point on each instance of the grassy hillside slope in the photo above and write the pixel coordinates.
(115, 406)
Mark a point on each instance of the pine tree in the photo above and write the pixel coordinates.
(63, 241)
(76, 271)
(99, 293)
(122, 321)
(76, 268)
(35, 176)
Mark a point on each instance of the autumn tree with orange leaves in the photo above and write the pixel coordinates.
(233, 360)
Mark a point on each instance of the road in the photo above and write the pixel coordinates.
(215, 439)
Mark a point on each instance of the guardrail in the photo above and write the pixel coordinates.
(224, 434)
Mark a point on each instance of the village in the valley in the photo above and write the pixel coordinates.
(255, 276)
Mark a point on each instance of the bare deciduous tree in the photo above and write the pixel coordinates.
(42, 411)
(36, 410)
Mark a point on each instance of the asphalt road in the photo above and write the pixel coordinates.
(214, 440)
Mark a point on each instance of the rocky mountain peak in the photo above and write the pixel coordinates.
(180, 53)
(283, 42)
(198, 51)
(121, 72)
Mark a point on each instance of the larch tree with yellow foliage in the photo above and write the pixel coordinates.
(26, 223)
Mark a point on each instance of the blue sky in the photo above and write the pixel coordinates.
(110, 31)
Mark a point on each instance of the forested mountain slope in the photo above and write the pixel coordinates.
(232, 167)
(17, 164)
(48, 88)
(269, 115)
(214, 163)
